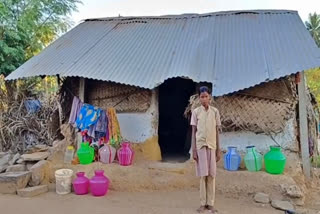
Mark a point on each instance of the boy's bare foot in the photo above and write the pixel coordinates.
(201, 209)
(212, 209)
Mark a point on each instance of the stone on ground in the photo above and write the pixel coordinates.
(32, 191)
(292, 191)
(298, 201)
(41, 148)
(14, 159)
(10, 182)
(38, 156)
(20, 161)
(3, 168)
(16, 168)
(38, 148)
(262, 198)
(39, 172)
(2, 154)
(282, 205)
(30, 164)
(4, 162)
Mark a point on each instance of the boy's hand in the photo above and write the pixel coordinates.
(195, 155)
(218, 155)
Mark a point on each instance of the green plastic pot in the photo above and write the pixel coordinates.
(275, 161)
(85, 154)
(253, 159)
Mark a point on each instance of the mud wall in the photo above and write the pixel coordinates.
(139, 127)
(286, 139)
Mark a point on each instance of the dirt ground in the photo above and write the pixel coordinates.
(155, 187)
(176, 202)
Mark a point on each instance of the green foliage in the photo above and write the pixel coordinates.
(313, 26)
(12, 53)
(27, 26)
(315, 161)
(313, 82)
(313, 75)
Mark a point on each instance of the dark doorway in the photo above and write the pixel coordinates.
(174, 128)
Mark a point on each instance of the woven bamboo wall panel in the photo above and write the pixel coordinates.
(253, 114)
(260, 109)
(124, 98)
(283, 89)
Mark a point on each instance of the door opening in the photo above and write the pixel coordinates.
(174, 128)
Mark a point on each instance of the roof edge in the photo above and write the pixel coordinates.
(195, 15)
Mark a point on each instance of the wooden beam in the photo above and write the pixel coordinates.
(82, 87)
(303, 124)
(82, 92)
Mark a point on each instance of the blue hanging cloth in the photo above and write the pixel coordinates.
(32, 106)
(88, 116)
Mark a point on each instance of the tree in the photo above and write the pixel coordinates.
(313, 26)
(27, 26)
(313, 75)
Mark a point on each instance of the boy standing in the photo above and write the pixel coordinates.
(205, 121)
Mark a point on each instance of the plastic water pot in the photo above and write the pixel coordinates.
(107, 154)
(253, 159)
(85, 154)
(81, 184)
(232, 159)
(125, 154)
(275, 160)
(99, 184)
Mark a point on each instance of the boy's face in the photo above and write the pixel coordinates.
(204, 98)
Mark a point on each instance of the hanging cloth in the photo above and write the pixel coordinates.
(88, 116)
(102, 123)
(75, 110)
(99, 130)
(114, 134)
(32, 106)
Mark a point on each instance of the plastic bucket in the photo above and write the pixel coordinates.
(63, 181)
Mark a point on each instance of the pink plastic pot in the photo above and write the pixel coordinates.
(81, 184)
(132, 158)
(125, 154)
(99, 184)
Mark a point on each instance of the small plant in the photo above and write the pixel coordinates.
(316, 161)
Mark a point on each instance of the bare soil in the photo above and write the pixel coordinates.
(155, 187)
(176, 202)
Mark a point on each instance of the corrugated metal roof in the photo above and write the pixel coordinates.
(233, 50)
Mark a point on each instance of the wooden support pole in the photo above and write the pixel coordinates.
(82, 92)
(82, 87)
(303, 124)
